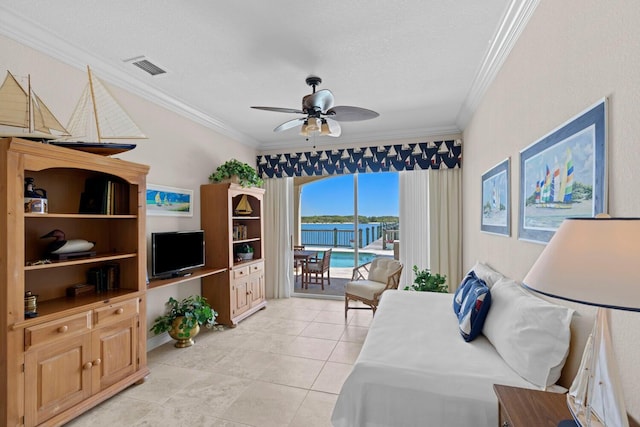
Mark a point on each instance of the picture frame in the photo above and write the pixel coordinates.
(162, 200)
(495, 212)
(563, 175)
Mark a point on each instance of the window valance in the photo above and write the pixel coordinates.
(382, 158)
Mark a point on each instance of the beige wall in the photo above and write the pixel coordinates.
(180, 152)
(571, 54)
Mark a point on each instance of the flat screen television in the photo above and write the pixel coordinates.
(176, 253)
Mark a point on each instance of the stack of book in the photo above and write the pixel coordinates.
(239, 232)
(104, 196)
(104, 278)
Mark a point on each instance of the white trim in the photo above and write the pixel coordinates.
(513, 22)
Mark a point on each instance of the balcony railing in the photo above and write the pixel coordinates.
(333, 237)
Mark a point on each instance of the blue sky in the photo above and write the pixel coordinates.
(334, 196)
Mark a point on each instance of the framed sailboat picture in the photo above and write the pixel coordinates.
(169, 201)
(496, 203)
(563, 175)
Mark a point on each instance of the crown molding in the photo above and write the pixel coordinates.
(513, 22)
(13, 26)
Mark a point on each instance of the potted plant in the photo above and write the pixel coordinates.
(427, 282)
(245, 252)
(246, 174)
(183, 319)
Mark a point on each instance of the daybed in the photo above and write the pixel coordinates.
(415, 369)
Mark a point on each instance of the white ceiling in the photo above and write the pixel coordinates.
(421, 64)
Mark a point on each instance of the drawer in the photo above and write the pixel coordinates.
(115, 312)
(57, 329)
(258, 266)
(240, 272)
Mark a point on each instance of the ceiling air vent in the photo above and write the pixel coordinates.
(146, 65)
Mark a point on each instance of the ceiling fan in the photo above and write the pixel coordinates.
(321, 115)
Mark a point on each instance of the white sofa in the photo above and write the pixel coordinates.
(415, 369)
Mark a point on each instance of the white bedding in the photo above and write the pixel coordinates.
(416, 370)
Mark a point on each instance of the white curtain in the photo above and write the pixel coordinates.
(278, 232)
(430, 223)
(445, 224)
(414, 223)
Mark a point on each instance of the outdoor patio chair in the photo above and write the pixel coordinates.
(370, 280)
(297, 263)
(314, 270)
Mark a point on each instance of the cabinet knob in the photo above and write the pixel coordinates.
(97, 362)
(505, 424)
(120, 310)
(87, 366)
(63, 329)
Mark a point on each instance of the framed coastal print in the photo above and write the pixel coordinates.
(563, 175)
(169, 201)
(496, 206)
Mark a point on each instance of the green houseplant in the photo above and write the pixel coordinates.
(427, 282)
(247, 175)
(182, 319)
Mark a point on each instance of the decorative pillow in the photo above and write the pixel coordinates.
(531, 335)
(462, 290)
(486, 273)
(474, 309)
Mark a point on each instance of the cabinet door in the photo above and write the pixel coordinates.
(240, 296)
(256, 288)
(57, 377)
(114, 350)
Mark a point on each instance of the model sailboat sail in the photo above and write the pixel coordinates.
(243, 208)
(98, 118)
(594, 398)
(23, 114)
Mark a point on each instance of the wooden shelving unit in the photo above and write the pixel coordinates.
(239, 291)
(81, 350)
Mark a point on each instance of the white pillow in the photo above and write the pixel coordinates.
(530, 334)
(486, 273)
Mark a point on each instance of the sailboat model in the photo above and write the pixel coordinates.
(244, 207)
(24, 115)
(97, 118)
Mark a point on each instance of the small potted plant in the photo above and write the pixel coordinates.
(246, 174)
(245, 252)
(427, 282)
(183, 319)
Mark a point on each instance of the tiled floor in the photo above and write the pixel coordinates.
(283, 366)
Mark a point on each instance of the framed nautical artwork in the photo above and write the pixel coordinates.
(496, 203)
(169, 201)
(563, 175)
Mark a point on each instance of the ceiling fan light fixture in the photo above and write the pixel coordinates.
(324, 128)
(304, 130)
(313, 124)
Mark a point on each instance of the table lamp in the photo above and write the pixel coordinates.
(593, 261)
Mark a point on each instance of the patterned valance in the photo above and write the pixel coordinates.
(382, 158)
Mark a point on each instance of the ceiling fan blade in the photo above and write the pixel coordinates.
(334, 127)
(351, 114)
(321, 100)
(280, 110)
(290, 124)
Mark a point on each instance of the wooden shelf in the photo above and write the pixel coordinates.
(79, 261)
(240, 218)
(65, 306)
(254, 239)
(196, 274)
(78, 216)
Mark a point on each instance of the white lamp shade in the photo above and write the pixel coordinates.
(591, 261)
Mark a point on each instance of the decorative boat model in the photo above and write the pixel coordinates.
(97, 118)
(24, 115)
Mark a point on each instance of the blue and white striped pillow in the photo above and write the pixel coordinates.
(462, 290)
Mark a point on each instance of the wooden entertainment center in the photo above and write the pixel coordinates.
(78, 350)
